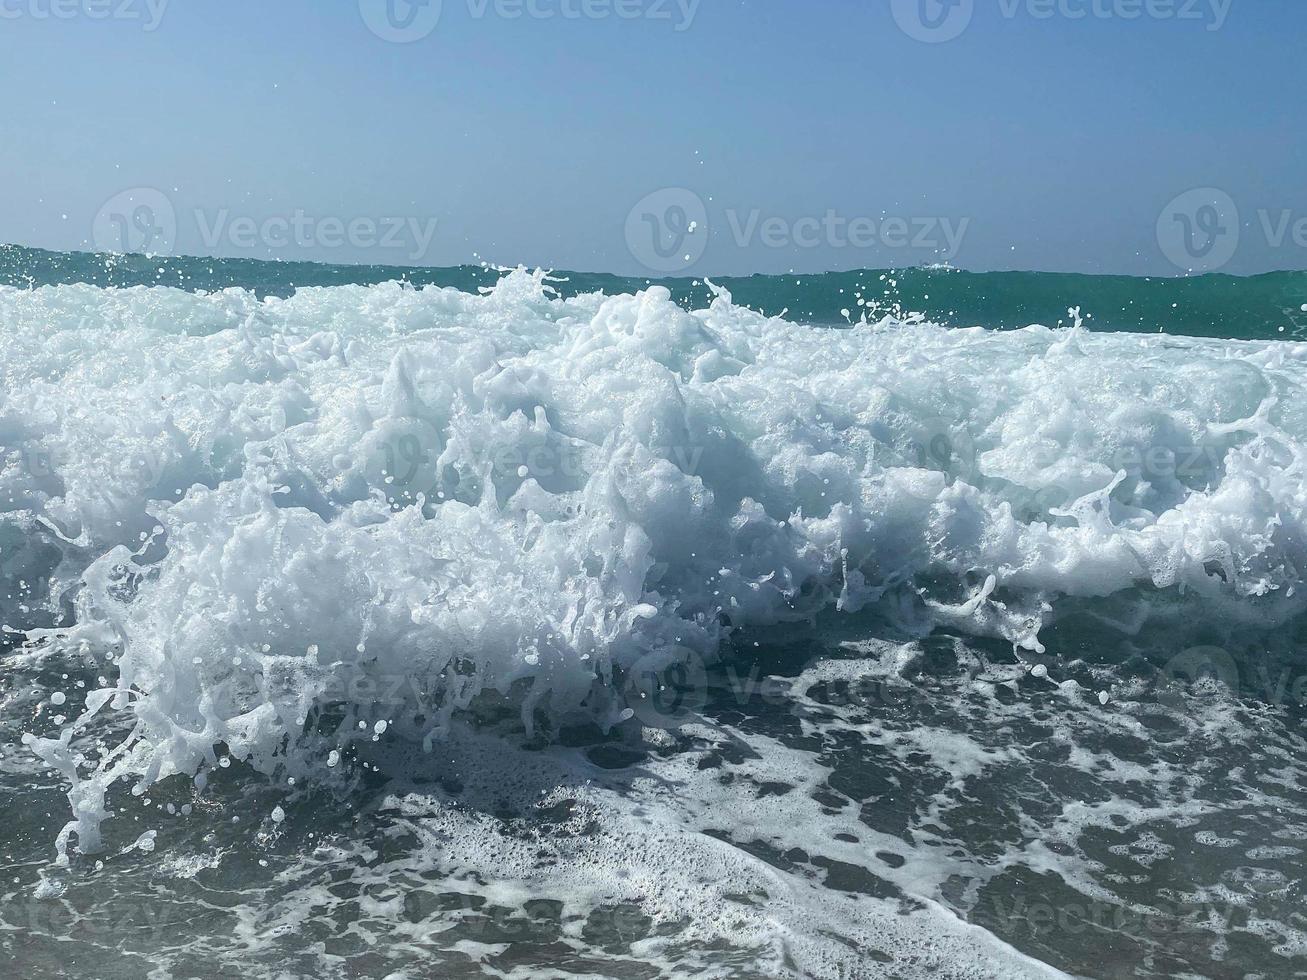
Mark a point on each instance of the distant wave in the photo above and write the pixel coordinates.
(1263, 307)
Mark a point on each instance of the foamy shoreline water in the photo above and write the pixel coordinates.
(288, 533)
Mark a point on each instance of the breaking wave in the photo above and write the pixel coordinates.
(286, 526)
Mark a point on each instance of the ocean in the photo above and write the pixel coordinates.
(423, 623)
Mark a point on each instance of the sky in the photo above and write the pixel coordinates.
(650, 137)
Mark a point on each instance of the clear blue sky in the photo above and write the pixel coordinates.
(1059, 141)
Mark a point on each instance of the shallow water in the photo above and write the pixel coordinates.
(839, 809)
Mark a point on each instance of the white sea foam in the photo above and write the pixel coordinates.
(379, 502)
(688, 860)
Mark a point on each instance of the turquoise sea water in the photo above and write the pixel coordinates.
(1263, 307)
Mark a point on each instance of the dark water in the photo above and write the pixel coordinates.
(1160, 835)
